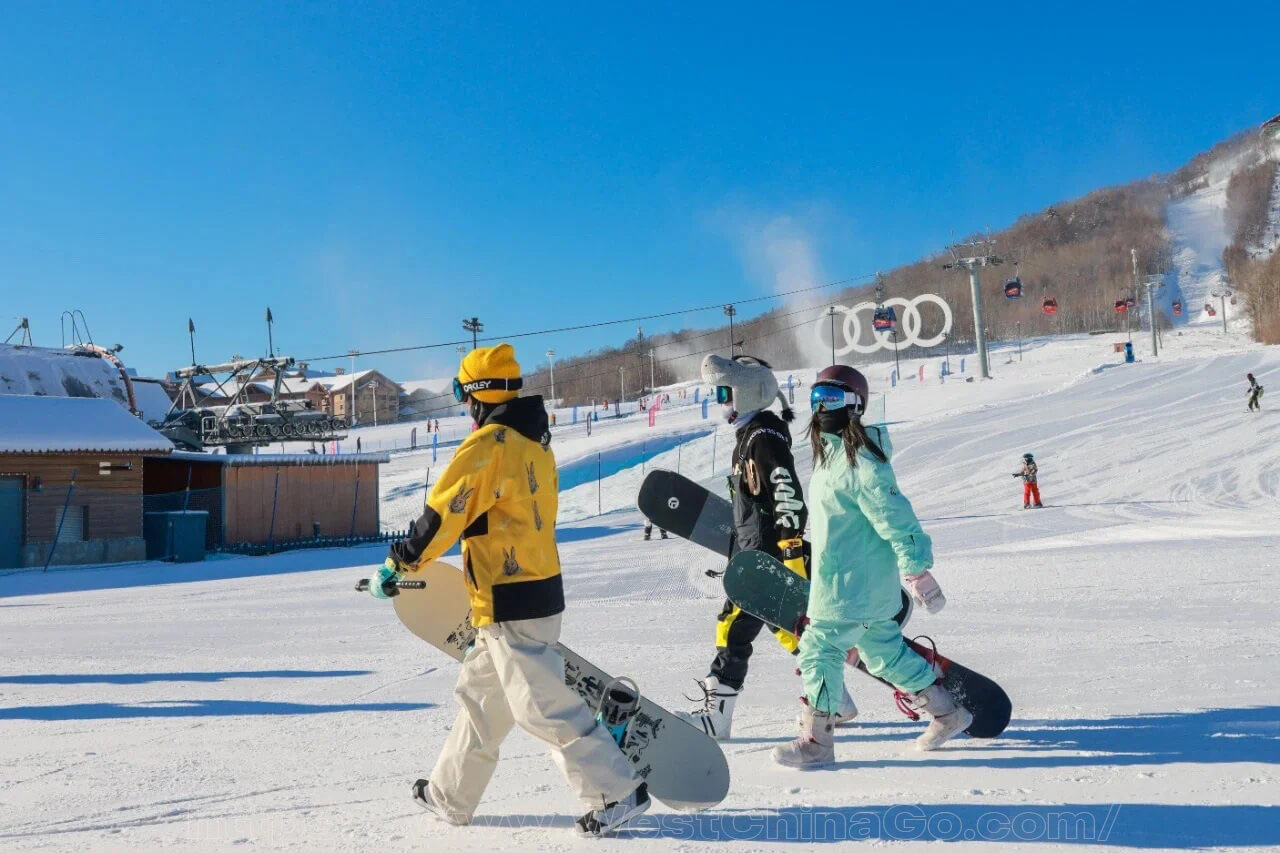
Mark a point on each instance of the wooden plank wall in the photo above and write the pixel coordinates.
(321, 493)
(113, 502)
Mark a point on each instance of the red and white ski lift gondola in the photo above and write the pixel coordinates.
(1121, 306)
(1050, 305)
(1013, 288)
(884, 319)
(1209, 309)
(1177, 307)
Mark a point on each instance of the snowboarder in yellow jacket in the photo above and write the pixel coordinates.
(500, 496)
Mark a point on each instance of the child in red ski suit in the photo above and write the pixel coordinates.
(1030, 488)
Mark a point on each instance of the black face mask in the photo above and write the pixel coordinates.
(833, 422)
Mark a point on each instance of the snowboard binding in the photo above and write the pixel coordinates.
(391, 587)
(619, 702)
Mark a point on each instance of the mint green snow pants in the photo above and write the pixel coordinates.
(825, 645)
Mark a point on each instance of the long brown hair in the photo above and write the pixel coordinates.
(855, 437)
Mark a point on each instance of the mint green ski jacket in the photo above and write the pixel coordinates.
(864, 535)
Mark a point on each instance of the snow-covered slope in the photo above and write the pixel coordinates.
(1198, 233)
(1131, 621)
(1198, 230)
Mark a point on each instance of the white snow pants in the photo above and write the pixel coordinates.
(515, 676)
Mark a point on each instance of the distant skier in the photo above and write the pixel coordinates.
(866, 541)
(769, 515)
(1030, 487)
(648, 531)
(1255, 394)
(499, 495)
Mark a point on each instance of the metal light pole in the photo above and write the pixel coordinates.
(373, 392)
(730, 312)
(897, 365)
(1128, 321)
(351, 415)
(1019, 325)
(622, 382)
(652, 382)
(831, 312)
(474, 326)
(551, 355)
(1151, 282)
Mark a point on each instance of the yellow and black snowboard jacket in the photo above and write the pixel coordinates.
(500, 496)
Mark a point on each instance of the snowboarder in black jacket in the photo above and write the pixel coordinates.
(769, 515)
(1255, 394)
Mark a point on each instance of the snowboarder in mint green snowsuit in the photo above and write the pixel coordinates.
(866, 540)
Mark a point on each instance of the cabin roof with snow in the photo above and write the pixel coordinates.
(243, 460)
(73, 425)
(341, 382)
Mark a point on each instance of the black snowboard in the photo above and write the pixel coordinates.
(679, 505)
(768, 590)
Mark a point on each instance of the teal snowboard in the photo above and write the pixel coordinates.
(681, 506)
(768, 590)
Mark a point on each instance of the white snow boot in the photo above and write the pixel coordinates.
(422, 796)
(815, 747)
(714, 714)
(612, 817)
(949, 718)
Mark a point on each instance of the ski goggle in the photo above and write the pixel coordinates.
(724, 394)
(462, 391)
(829, 398)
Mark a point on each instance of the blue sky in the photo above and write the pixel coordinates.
(377, 171)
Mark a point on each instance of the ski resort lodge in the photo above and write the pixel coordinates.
(71, 472)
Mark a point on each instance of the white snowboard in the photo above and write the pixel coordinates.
(684, 767)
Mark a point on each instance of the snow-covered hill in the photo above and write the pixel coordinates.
(261, 704)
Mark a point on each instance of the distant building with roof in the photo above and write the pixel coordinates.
(376, 398)
(71, 477)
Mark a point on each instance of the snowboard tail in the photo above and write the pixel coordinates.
(768, 590)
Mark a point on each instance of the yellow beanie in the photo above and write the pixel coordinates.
(492, 363)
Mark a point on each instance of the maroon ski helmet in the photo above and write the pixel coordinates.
(847, 378)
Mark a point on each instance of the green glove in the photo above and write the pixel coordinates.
(386, 572)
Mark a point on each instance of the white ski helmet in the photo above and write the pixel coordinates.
(751, 380)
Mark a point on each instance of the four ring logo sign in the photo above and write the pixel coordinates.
(908, 331)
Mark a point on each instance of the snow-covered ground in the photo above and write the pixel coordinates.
(262, 704)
